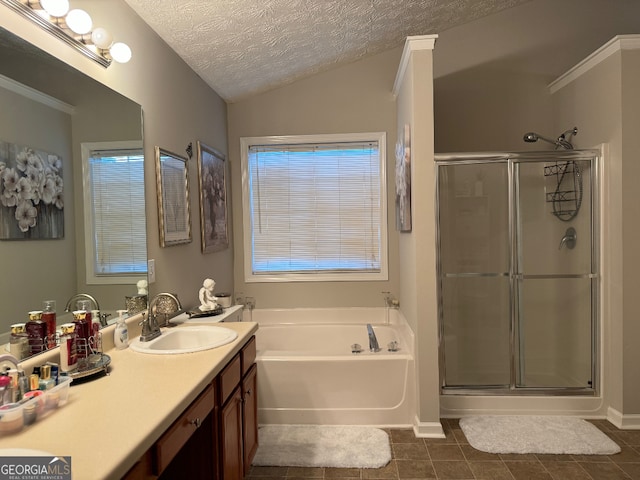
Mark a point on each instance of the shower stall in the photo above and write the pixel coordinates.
(518, 272)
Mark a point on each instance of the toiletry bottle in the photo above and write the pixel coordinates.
(49, 317)
(36, 332)
(68, 354)
(121, 334)
(46, 382)
(5, 385)
(82, 329)
(95, 331)
(23, 384)
(19, 342)
(15, 386)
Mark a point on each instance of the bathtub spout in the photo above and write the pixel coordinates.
(373, 340)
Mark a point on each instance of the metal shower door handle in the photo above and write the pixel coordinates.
(569, 240)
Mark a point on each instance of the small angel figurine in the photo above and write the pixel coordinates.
(142, 287)
(208, 301)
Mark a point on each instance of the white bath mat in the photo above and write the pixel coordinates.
(322, 446)
(536, 434)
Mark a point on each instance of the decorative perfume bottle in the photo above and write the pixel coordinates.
(49, 317)
(68, 354)
(36, 332)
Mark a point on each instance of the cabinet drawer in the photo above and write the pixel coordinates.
(177, 435)
(229, 379)
(248, 355)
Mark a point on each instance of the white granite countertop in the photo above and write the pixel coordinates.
(110, 422)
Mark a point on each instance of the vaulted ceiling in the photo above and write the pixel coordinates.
(243, 47)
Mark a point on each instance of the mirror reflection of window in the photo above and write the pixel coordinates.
(114, 211)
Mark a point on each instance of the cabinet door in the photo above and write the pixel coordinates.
(250, 416)
(231, 437)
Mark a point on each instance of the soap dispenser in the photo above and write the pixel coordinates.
(121, 334)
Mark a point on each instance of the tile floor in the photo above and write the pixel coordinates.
(453, 458)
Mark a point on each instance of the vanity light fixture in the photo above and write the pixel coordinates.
(74, 27)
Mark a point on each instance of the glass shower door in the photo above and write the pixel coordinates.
(473, 201)
(555, 272)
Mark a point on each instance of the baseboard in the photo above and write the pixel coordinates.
(622, 421)
(427, 429)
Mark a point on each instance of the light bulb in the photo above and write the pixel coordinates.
(79, 21)
(55, 8)
(101, 38)
(120, 52)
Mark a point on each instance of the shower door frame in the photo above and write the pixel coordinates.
(515, 276)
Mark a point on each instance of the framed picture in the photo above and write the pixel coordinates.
(403, 180)
(31, 193)
(172, 181)
(213, 198)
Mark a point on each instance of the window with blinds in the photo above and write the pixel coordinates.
(114, 212)
(315, 207)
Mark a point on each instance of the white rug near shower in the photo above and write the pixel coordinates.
(536, 434)
(322, 446)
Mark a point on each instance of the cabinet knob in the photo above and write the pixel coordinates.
(197, 422)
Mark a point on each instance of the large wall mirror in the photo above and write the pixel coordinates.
(64, 116)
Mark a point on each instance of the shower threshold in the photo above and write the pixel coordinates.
(503, 390)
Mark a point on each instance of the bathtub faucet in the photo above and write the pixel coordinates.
(373, 340)
(390, 301)
(246, 302)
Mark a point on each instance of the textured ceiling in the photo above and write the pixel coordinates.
(242, 47)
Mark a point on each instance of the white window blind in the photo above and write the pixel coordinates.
(117, 205)
(316, 208)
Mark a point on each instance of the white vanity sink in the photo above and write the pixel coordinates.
(186, 340)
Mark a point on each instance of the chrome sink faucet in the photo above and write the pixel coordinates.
(150, 328)
(162, 303)
(373, 340)
(77, 297)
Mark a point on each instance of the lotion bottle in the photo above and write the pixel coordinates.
(121, 334)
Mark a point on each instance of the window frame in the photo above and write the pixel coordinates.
(247, 142)
(92, 278)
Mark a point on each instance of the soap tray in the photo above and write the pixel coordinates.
(15, 416)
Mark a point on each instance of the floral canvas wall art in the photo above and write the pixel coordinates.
(31, 193)
(403, 180)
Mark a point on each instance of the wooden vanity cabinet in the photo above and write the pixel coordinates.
(216, 437)
(249, 403)
(188, 449)
(238, 414)
(250, 416)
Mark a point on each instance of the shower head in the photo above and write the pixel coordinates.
(532, 137)
(562, 140)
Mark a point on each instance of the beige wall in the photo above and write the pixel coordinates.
(178, 108)
(417, 249)
(631, 229)
(350, 99)
(611, 117)
(600, 116)
(29, 123)
(491, 75)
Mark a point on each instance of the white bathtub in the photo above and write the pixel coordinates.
(307, 373)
